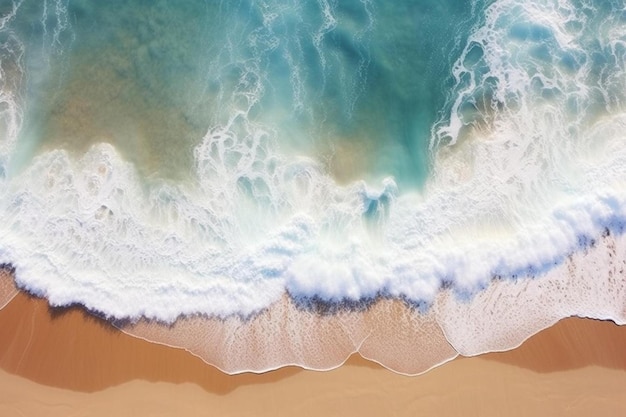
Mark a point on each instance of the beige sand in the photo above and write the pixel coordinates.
(65, 362)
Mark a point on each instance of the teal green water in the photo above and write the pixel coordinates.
(355, 85)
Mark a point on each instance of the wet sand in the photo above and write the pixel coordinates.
(66, 362)
(7, 287)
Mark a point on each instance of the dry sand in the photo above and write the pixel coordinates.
(63, 362)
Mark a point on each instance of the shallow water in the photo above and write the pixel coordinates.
(161, 160)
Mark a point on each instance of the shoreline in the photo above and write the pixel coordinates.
(26, 310)
(66, 355)
(402, 339)
(388, 332)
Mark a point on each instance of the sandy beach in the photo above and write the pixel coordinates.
(60, 362)
(290, 208)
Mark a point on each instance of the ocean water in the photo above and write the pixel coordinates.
(161, 159)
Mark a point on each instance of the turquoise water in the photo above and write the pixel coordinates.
(328, 78)
(166, 158)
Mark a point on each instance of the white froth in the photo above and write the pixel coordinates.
(11, 77)
(529, 168)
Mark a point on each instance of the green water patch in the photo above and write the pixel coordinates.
(375, 85)
(131, 74)
(355, 84)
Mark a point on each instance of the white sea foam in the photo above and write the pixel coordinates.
(11, 74)
(529, 167)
